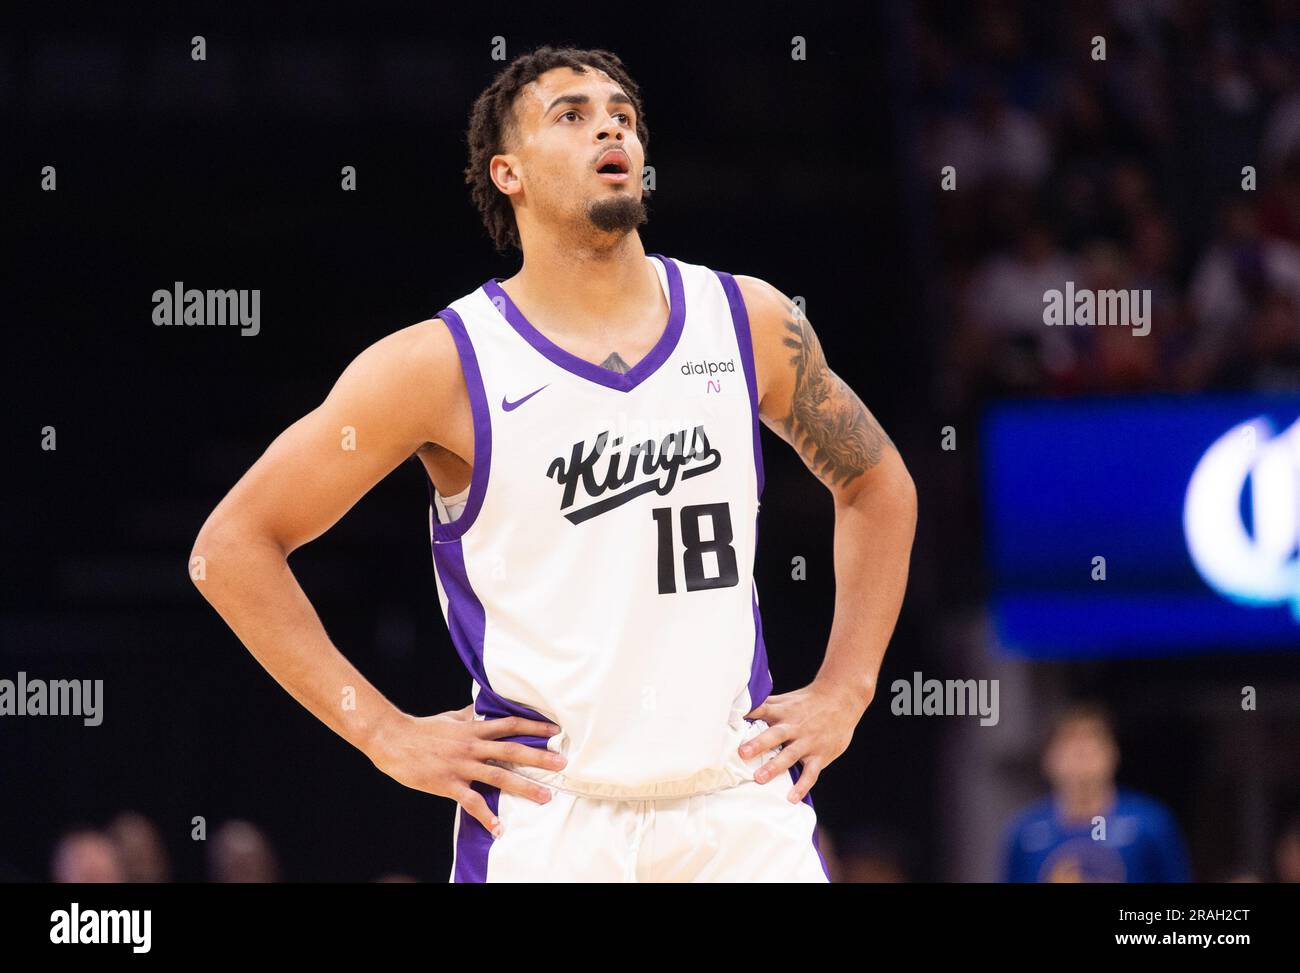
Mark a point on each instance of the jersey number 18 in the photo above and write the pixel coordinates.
(695, 548)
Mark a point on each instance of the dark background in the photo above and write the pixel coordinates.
(225, 174)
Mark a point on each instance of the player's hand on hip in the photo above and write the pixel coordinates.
(813, 726)
(445, 753)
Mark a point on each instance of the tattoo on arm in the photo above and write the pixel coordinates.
(827, 424)
(616, 364)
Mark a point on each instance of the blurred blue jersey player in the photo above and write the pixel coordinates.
(1090, 830)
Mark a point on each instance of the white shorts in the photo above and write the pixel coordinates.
(747, 832)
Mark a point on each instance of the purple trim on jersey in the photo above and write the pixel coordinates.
(795, 771)
(760, 679)
(740, 320)
(467, 621)
(580, 366)
(473, 841)
(442, 533)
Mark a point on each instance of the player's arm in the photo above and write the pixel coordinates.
(402, 392)
(805, 403)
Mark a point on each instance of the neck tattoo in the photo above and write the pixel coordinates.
(616, 364)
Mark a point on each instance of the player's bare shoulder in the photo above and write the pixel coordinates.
(762, 300)
(417, 353)
(411, 379)
(434, 357)
(771, 315)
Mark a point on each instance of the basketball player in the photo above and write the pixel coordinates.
(590, 429)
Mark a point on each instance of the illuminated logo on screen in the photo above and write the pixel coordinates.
(1248, 552)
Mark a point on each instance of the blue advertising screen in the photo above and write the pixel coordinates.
(1193, 502)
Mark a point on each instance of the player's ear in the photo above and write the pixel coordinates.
(504, 172)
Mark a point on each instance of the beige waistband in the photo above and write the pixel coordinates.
(734, 771)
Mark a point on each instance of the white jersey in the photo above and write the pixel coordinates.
(600, 574)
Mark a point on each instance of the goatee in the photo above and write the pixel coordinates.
(618, 213)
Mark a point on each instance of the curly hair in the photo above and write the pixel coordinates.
(492, 122)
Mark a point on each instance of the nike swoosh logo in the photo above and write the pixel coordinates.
(511, 406)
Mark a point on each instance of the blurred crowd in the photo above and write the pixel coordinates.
(1147, 147)
(131, 849)
(1171, 167)
(1055, 839)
